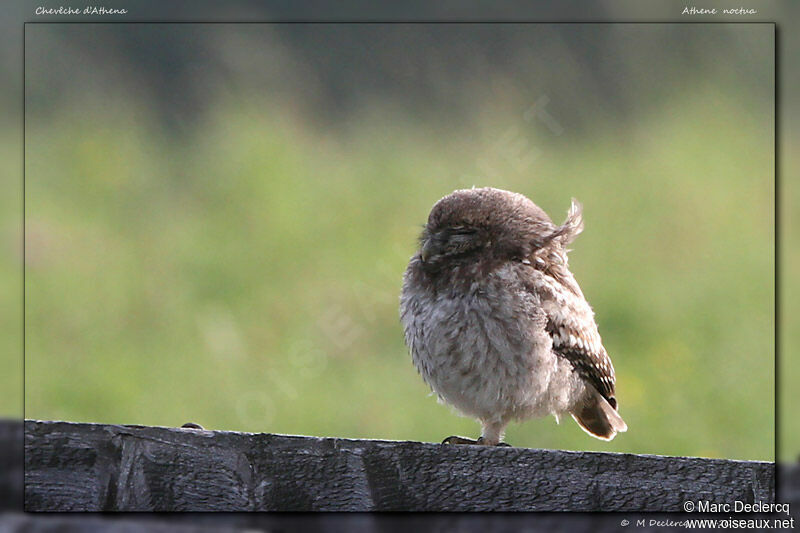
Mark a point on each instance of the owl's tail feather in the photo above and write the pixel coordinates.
(599, 419)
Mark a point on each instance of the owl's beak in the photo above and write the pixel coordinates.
(427, 251)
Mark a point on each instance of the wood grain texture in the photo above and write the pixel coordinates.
(92, 467)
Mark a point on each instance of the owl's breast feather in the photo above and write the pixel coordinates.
(482, 348)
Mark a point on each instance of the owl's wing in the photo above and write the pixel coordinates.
(584, 350)
(571, 325)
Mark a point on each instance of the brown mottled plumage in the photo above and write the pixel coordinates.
(495, 321)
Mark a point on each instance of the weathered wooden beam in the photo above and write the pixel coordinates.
(92, 467)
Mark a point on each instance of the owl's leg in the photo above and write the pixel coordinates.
(492, 434)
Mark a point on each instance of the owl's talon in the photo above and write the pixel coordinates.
(482, 442)
(192, 425)
(455, 439)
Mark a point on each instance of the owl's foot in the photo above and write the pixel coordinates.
(192, 425)
(455, 439)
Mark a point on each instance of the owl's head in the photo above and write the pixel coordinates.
(492, 222)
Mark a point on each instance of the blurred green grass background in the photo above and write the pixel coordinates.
(246, 276)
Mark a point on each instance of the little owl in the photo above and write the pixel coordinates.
(496, 323)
